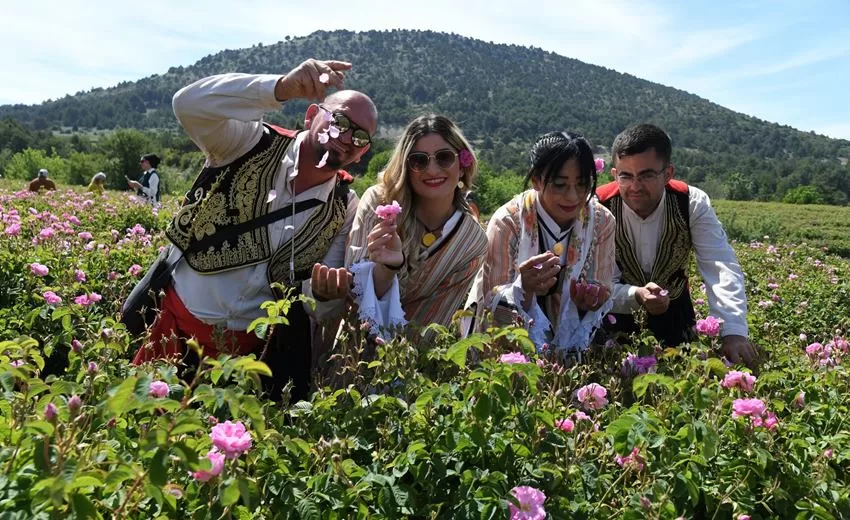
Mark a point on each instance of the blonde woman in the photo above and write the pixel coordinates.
(415, 245)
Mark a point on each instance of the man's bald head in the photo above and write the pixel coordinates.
(357, 105)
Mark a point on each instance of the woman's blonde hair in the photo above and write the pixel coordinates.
(395, 184)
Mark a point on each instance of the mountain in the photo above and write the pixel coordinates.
(503, 96)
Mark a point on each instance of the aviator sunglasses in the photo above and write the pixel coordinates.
(419, 161)
(359, 137)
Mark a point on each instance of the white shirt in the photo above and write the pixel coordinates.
(153, 185)
(716, 260)
(222, 114)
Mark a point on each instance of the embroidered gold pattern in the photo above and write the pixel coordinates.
(233, 198)
(311, 242)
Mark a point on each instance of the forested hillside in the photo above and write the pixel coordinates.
(503, 96)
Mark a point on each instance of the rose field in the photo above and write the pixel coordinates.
(480, 428)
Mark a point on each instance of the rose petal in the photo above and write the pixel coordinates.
(323, 161)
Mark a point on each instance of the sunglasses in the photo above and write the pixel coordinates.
(419, 161)
(359, 137)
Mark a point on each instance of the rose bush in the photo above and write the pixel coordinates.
(415, 430)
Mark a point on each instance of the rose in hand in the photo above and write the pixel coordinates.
(539, 274)
(588, 296)
(653, 298)
(384, 244)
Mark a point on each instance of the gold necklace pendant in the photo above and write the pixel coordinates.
(428, 239)
(558, 248)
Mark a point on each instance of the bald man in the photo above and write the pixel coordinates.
(271, 205)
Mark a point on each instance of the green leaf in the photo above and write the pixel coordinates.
(158, 472)
(84, 507)
(187, 425)
(308, 510)
(641, 383)
(457, 353)
(258, 367)
(122, 397)
(716, 367)
(230, 494)
(42, 427)
(85, 481)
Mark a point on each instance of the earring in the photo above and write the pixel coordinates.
(460, 184)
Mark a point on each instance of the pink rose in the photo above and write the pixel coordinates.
(51, 298)
(465, 158)
(231, 438)
(632, 459)
(39, 269)
(592, 396)
(13, 230)
(748, 407)
(742, 380)
(74, 403)
(134, 270)
(513, 358)
(50, 412)
(530, 502)
(388, 211)
(599, 163)
(566, 425)
(217, 460)
(709, 326)
(79, 275)
(82, 300)
(771, 422)
(85, 235)
(158, 389)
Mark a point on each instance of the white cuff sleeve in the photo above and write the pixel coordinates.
(383, 314)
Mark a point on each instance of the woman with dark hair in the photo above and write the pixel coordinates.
(550, 258)
(415, 245)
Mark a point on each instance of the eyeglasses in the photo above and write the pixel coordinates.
(419, 161)
(642, 178)
(359, 137)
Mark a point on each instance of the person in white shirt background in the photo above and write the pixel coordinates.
(148, 184)
(659, 222)
(252, 170)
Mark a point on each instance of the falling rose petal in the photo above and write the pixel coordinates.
(333, 131)
(272, 195)
(663, 292)
(538, 266)
(328, 117)
(324, 78)
(323, 137)
(323, 161)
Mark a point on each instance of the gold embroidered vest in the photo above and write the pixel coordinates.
(670, 269)
(226, 196)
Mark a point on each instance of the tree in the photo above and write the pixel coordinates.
(803, 195)
(123, 148)
(25, 165)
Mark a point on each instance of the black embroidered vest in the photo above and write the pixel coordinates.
(670, 269)
(223, 197)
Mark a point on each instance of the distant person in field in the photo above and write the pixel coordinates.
(416, 262)
(148, 184)
(97, 182)
(41, 182)
(550, 258)
(659, 222)
(270, 205)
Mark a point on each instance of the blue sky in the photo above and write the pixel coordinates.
(786, 62)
